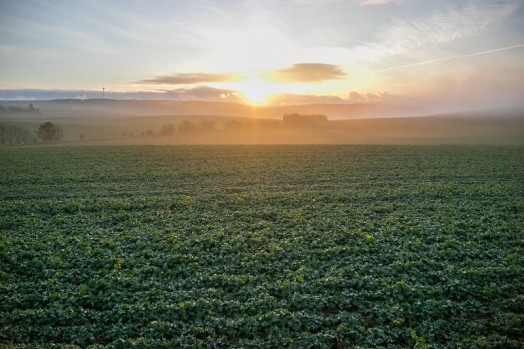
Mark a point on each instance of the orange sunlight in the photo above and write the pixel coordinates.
(256, 91)
(256, 88)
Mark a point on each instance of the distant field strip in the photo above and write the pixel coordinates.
(262, 246)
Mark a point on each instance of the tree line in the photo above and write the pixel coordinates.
(14, 109)
(186, 127)
(47, 132)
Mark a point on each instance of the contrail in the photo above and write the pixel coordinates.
(446, 58)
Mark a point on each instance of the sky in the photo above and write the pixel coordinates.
(459, 54)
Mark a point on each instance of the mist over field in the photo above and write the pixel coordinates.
(184, 122)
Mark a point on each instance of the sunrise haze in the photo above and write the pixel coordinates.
(446, 55)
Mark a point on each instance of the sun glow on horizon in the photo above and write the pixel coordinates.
(257, 89)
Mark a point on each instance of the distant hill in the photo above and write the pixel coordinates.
(168, 107)
(142, 122)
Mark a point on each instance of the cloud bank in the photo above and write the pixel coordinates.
(199, 93)
(187, 79)
(290, 99)
(309, 73)
(297, 73)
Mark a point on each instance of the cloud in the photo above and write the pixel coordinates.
(454, 23)
(309, 72)
(199, 93)
(383, 96)
(354, 95)
(382, 2)
(449, 58)
(317, 2)
(202, 93)
(188, 79)
(290, 99)
(297, 73)
(374, 2)
(41, 94)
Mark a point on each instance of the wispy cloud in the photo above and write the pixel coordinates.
(447, 58)
(188, 79)
(454, 23)
(309, 73)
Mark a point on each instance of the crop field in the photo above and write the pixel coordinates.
(262, 246)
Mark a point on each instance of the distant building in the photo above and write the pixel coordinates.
(301, 120)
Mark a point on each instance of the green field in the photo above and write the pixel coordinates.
(262, 246)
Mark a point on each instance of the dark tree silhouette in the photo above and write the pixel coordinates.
(187, 127)
(233, 125)
(13, 109)
(12, 134)
(49, 132)
(206, 125)
(167, 130)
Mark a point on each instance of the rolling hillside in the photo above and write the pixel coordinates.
(136, 121)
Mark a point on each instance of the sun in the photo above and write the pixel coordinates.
(257, 88)
(256, 91)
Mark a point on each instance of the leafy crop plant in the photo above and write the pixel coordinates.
(262, 246)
